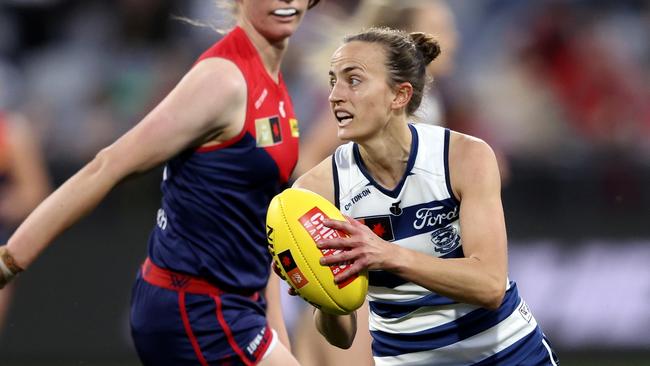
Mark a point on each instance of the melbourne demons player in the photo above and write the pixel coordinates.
(230, 139)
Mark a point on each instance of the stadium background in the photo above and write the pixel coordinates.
(561, 89)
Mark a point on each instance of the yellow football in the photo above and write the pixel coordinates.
(294, 224)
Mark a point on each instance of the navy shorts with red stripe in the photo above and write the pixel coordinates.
(177, 324)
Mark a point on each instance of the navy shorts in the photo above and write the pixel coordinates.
(181, 320)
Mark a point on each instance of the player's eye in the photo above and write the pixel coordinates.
(355, 81)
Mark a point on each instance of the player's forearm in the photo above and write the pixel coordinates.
(339, 330)
(76, 197)
(274, 310)
(467, 280)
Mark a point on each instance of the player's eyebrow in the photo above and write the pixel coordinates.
(347, 70)
(351, 68)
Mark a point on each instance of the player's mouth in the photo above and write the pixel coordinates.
(286, 13)
(343, 117)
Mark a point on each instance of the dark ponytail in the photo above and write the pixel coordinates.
(407, 57)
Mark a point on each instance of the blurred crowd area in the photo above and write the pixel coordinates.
(559, 88)
(561, 82)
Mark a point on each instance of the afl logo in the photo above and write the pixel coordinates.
(445, 240)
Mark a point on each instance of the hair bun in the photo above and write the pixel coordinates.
(427, 45)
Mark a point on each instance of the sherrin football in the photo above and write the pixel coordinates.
(294, 226)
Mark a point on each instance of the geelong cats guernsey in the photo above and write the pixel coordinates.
(212, 220)
(411, 325)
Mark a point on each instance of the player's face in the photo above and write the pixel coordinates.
(276, 20)
(360, 96)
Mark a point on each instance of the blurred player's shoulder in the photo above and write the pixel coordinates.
(318, 179)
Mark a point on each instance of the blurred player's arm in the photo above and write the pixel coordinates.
(208, 103)
(319, 179)
(319, 142)
(339, 330)
(274, 310)
(28, 178)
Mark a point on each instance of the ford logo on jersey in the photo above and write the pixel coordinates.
(445, 239)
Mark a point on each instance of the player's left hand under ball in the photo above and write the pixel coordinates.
(278, 272)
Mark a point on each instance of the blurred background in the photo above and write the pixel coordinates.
(560, 89)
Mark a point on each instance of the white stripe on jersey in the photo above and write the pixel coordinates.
(421, 319)
(406, 292)
(470, 350)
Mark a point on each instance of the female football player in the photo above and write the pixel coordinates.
(429, 225)
(429, 16)
(228, 135)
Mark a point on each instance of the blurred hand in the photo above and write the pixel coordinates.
(8, 268)
(363, 249)
(278, 272)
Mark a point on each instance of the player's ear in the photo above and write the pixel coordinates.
(403, 93)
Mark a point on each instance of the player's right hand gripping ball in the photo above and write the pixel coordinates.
(294, 226)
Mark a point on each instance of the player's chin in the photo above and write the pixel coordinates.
(281, 31)
(345, 133)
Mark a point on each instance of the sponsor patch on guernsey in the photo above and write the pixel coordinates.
(267, 131)
(295, 131)
(380, 225)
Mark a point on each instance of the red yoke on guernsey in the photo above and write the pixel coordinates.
(195, 301)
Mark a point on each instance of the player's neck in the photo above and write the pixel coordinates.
(386, 156)
(271, 54)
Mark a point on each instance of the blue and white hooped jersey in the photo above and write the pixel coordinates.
(411, 325)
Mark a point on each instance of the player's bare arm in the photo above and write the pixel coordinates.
(26, 168)
(274, 310)
(480, 277)
(319, 180)
(338, 330)
(208, 102)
